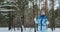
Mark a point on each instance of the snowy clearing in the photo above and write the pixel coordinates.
(5, 29)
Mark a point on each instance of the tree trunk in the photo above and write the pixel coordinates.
(33, 17)
(20, 5)
(52, 17)
(59, 9)
(46, 7)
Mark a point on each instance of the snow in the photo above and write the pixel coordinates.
(5, 29)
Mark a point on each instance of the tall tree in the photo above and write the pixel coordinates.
(22, 5)
(46, 7)
(52, 16)
(33, 17)
(35, 11)
(59, 9)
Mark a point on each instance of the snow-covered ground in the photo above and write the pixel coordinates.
(2, 29)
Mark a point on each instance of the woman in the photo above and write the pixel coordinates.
(42, 22)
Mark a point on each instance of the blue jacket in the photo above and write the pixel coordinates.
(41, 20)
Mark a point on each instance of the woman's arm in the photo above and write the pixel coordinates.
(35, 20)
(47, 22)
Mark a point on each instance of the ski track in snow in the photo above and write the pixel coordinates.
(25, 30)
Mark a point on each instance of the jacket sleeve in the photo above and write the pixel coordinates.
(47, 22)
(35, 20)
